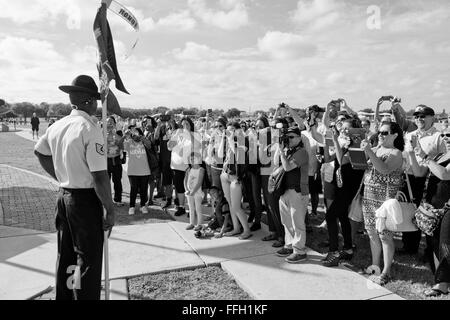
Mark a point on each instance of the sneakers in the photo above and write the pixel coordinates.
(197, 228)
(131, 211)
(296, 257)
(180, 211)
(346, 256)
(332, 260)
(284, 252)
(144, 210)
(278, 243)
(190, 227)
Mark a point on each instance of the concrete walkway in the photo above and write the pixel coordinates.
(27, 264)
(28, 256)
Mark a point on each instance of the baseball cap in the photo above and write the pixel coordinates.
(424, 110)
(295, 130)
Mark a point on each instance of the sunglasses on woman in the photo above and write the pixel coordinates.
(383, 133)
(445, 135)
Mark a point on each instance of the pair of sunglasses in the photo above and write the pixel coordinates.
(384, 133)
(420, 117)
(445, 135)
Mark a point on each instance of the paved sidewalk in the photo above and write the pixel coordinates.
(28, 252)
(27, 199)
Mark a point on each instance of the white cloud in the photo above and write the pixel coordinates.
(316, 14)
(335, 78)
(233, 19)
(25, 11)
(418, 18)
(180, 21)
(194, 51)
(23, 51)
(283, 46)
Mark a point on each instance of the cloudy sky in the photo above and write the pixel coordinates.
(235, 53)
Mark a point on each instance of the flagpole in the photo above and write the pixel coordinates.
(105, 91)
(105, 241)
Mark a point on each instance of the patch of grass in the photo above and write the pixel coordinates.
(210, 283)
(410, 276)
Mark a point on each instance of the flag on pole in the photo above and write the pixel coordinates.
(126, 14)
(107, 60)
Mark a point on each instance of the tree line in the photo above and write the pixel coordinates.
(47, 110)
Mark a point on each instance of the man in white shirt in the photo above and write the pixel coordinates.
(429, 143)
(72, 152)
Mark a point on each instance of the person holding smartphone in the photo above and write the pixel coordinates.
(427, 143)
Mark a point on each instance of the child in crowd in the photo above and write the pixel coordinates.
(217, 194)
(193, 182)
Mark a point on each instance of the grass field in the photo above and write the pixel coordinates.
(211, 283)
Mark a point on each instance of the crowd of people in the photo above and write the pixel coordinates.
(280, 165)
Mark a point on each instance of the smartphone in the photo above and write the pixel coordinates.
(356, 136)
(358, 159)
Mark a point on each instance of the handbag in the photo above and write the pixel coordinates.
(428, 218)
(275, 180)
(401, 220)
(408, 209)
(355, 212)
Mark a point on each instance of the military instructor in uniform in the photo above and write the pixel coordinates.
(72, 152)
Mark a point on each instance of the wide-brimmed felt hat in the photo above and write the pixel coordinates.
(82, 84)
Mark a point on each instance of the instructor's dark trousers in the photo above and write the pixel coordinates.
(80, 244)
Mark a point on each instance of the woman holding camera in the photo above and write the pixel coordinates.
(437, 195)
(346, 181)
(181, 145)
(382, 180)
(232, 178)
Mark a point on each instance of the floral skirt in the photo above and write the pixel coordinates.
(377, 189)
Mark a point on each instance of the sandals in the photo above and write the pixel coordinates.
(232, 233)
(270, 237)
(245, 236)
(381, 280)
(434, 292)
